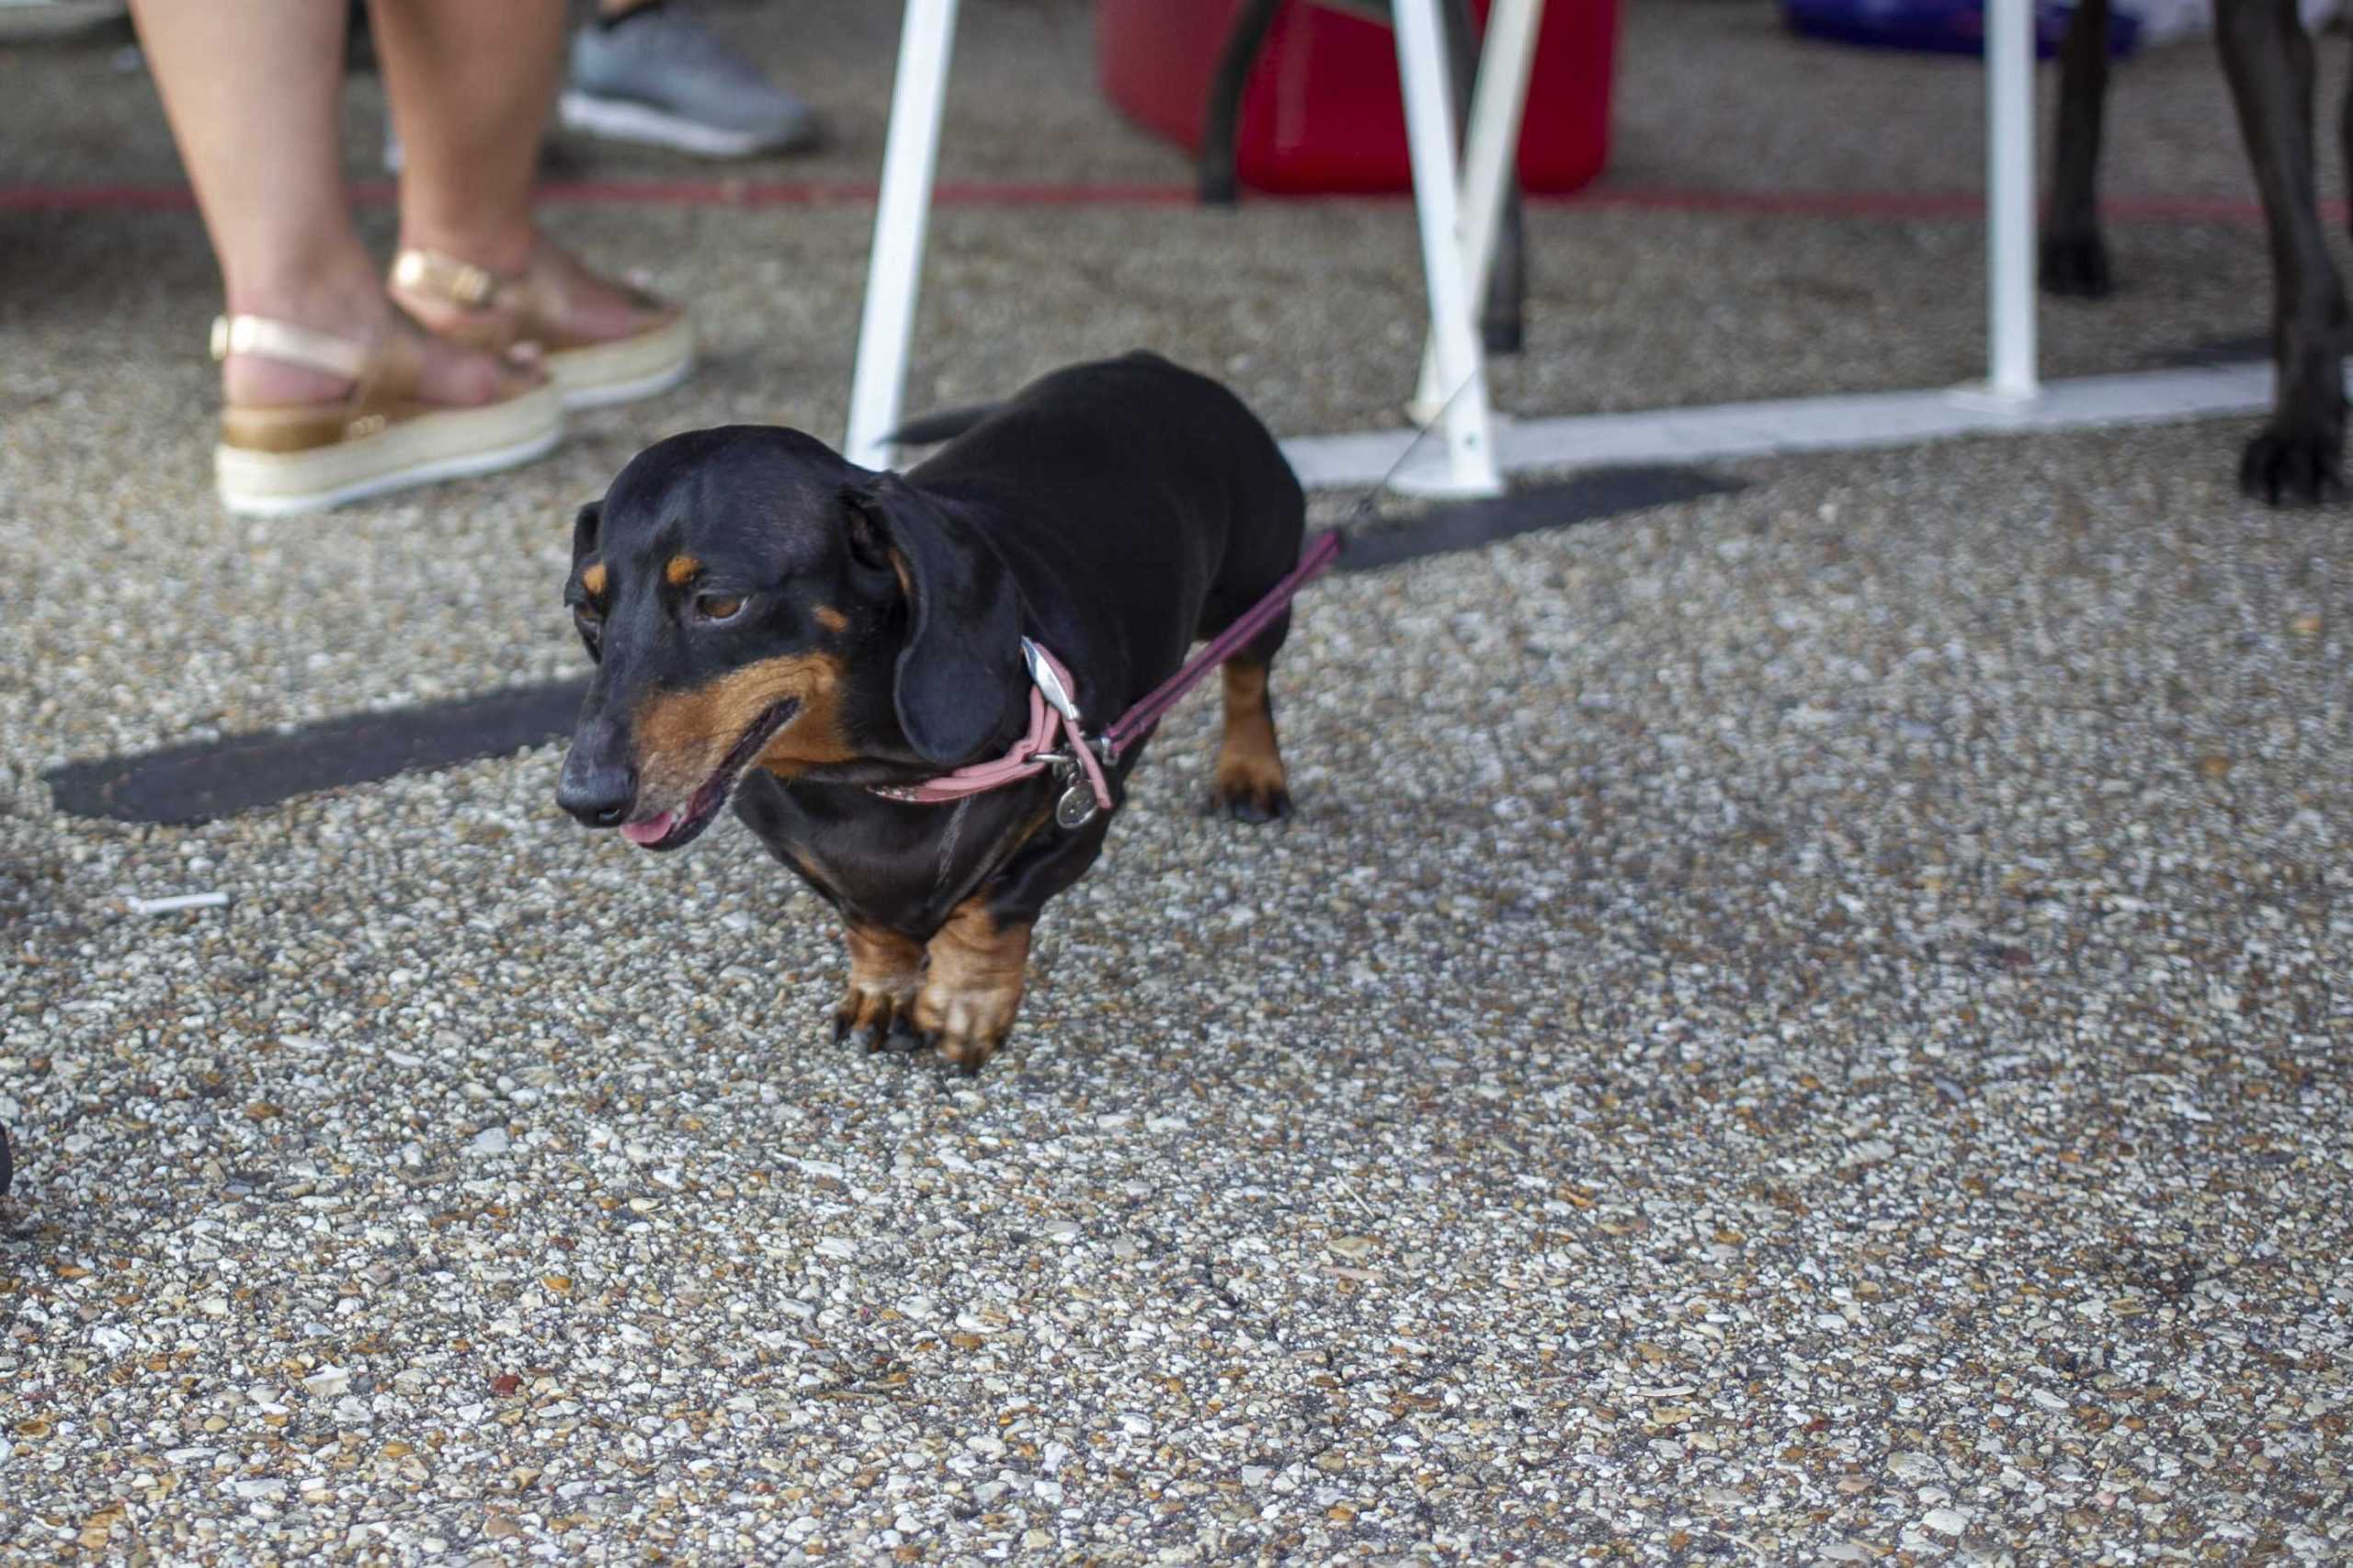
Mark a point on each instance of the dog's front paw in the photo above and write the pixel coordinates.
(877, 1010)
(2290, 466)
(875, 1019)
(973, 986)
(966, 1027)
(1252, 789)
(2075, 265)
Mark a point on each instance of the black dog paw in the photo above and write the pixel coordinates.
(2075, 266)
(1251, 787)
(2291, 467)
(1256, 806)
(875, 1021)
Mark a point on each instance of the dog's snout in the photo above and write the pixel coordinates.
(597, 785)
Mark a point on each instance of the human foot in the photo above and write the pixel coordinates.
(445, 372)
(661, 78)
(314, 418)
(602, 342)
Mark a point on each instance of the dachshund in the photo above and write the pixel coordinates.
(2297, 456)
(776, 627)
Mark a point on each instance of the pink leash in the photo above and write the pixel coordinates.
(1137, 722)
(1056, 740)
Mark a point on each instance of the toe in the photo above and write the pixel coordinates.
(1256, 803)
(969, 1053)
(2288, 469)
(870, 1021)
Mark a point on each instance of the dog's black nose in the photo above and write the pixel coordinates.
(599, 793)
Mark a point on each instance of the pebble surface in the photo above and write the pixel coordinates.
(1804, 1025)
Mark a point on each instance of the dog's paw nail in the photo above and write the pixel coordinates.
(1258, 809)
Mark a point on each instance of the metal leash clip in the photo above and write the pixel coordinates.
(1048, 684)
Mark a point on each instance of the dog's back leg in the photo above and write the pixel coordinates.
(2075, 258)
(1250, 778)
(2297, 456)
(1252, 785)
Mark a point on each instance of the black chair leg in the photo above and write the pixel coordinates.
(1502, 316)
(1217, 183)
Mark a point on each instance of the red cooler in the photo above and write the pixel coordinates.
(1323, 112)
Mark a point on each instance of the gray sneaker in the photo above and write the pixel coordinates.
(661, 78)
(21, 20)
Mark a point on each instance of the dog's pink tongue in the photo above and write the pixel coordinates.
(651, 831)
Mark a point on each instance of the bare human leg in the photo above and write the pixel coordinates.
(471, 87)
(250, 91)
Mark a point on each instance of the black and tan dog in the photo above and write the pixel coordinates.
(774, 624)
(2298, 454)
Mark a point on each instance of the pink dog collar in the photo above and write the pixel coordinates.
(1055, 741)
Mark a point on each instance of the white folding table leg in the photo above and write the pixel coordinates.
(1429, 134)
(894, 267)
(1497, 106)
(2009, 199)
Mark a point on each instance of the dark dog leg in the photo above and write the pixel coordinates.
(1251, 783)
(2297, 456)
(2074, 259)
(973, 987)
(884, 970)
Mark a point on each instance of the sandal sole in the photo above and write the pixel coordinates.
(626, 120)
(415, 452)
(624, 371)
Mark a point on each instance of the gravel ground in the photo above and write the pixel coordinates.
(1702, 103)
(229, 625)
(1844, 1059)
(1804, 1026)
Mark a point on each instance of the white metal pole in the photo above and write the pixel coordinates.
(2009, 199)
(1429, 134)
(1497, 106)
(894, 267)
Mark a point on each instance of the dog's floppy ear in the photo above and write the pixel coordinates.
(585, 526)
(962, 666)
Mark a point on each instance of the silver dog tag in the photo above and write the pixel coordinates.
(1076, 808)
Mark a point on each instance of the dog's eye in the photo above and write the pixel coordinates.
(718, 606)
(586, 614)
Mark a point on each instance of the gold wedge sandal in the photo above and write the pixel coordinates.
(279, 458)
(526, 313)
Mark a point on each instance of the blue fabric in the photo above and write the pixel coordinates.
(1942, 27)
